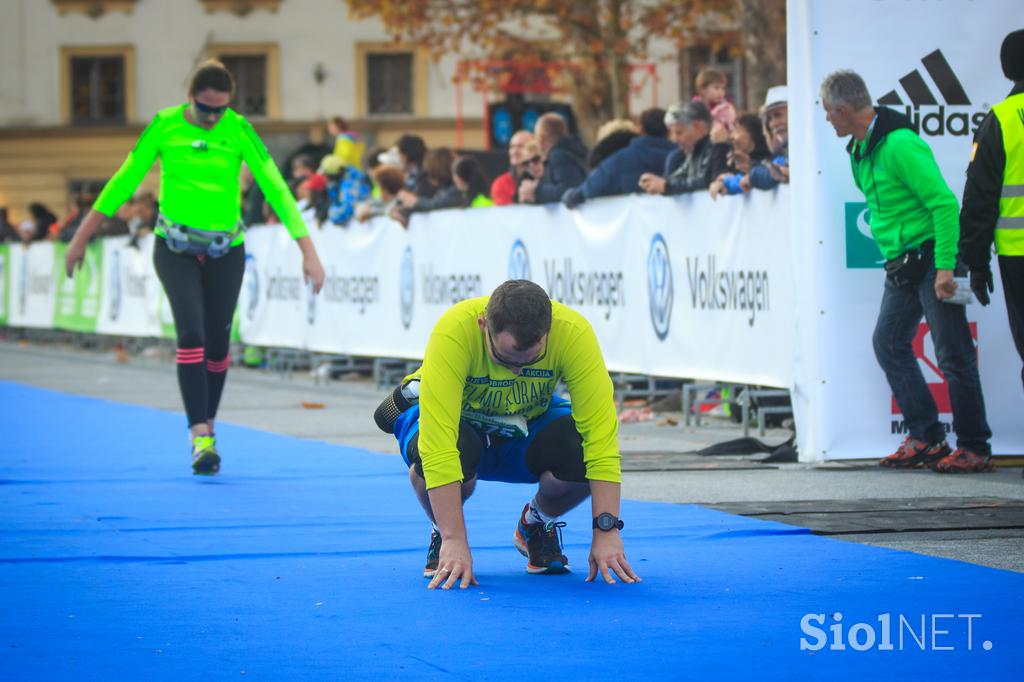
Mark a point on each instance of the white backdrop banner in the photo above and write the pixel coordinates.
(945, 79)
(674, 287)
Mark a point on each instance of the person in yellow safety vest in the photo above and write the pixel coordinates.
(993, 205)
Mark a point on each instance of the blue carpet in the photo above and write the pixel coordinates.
(303, 559)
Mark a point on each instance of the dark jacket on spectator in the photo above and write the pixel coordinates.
(620, 172)
(760, 174)
(608, 145)
(564, 169)
(695, 172)
(445, 197)
(417, 182)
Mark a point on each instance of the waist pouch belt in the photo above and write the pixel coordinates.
(908, 269)
(192, 241)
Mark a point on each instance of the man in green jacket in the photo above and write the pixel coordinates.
(914, 221)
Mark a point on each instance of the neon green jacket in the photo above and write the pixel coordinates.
(909, 199)
(458, 374)
(199, 171)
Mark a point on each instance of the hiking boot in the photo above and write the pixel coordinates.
(963, 461)
(205, 460)
(914, 453)
(541, 544)
(433, 555)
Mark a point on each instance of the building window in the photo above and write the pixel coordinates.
(94, 8)
(97, 85)
(250, 72)
(240, 8)
(256, 70)
(97, 90)
(391, 80)
(389, 83)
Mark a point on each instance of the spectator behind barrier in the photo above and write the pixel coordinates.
(346, 143)
(143, 217)
(437, 174)
(42, 219)
(564, 165)
(620, 172)
(8, 233)
(504, 188)
(532, 167)
(303, 166)
(346, 187)
(81, 202)
(748, 148)
(412, 152)
(612, 136)
(469, 178)
(775, 114)
(389, 181)
(371, 161)
(252, 197)
(697, 161)
(711, 85)
(312, 199)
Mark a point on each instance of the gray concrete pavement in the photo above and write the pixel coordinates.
(269, 401)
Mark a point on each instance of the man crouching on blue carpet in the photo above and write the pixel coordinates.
(483, 407)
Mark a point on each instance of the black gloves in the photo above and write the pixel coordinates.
(981, 285)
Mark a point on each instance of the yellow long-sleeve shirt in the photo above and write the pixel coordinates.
(459, 375)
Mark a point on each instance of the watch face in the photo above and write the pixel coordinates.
(606, 521)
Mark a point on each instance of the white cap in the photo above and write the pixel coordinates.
(777, 96)
(390, 157)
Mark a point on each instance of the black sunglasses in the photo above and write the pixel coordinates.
(534, 159)
(509, 363)
(207, 109)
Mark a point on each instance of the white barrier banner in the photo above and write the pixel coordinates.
(130, 289)
(674, 287)
(945, 79)
(33, 281)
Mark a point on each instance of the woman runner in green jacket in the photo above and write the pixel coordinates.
(199, 254)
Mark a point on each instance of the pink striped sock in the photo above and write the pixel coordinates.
(190, 356)
(219, 365)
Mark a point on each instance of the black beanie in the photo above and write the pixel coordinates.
(1012, 56)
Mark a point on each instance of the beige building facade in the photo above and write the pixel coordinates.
(79, 79)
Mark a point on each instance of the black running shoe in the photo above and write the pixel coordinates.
(205, 460)
(541, 544)
(433, 555)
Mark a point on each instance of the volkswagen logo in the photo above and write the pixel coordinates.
(252, 286)
(659, 285)
(518, 261)
(407, 287)
(114, 277)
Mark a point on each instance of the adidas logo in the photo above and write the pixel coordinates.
(935, 121)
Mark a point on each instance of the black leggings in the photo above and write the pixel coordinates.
(203, 292)
(558, 448)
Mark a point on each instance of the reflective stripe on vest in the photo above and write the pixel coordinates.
(1009, 232)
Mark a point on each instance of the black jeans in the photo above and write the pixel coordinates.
(895, 329)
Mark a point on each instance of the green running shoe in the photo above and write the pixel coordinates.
(205, 460)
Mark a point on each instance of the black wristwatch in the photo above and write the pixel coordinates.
(606, 522)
